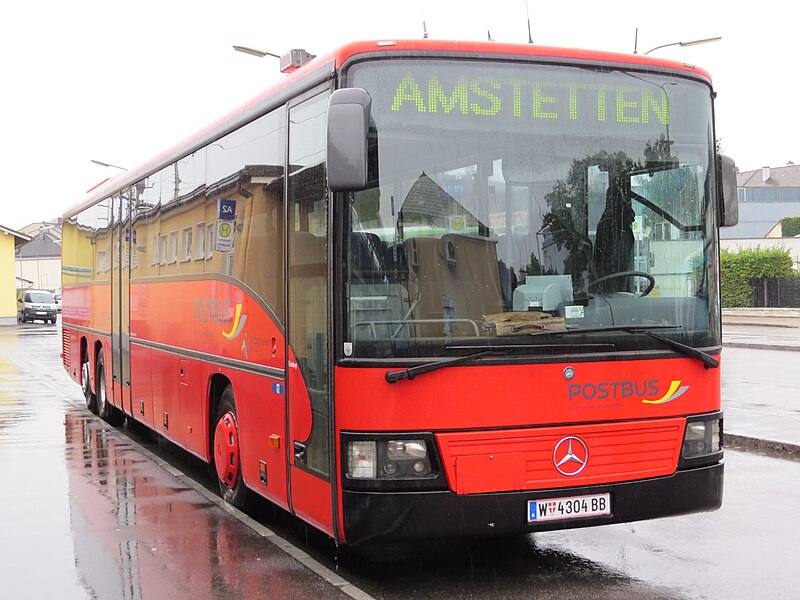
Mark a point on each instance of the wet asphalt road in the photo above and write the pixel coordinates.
(85, 512)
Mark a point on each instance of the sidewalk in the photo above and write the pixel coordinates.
(761, 328)
(765, 317)
(761, 391)
(87, 513)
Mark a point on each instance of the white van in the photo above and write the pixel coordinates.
(33, 305)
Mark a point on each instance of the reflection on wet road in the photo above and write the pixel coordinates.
(85, 513)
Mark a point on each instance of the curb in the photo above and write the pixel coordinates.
(765, 323)
(772, 448)
(763, 312)
(757, 346)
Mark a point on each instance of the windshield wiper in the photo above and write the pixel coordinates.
(411, 372)
(709, 361)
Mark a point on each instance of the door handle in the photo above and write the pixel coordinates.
(299, 452)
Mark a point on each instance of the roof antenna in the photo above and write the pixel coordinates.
(528, 12)
(489, 36)
(636, 41)
(424, 31)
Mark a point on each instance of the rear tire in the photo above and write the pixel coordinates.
(86, 384)
(226, 456)
(107, 411)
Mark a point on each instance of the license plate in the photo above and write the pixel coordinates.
(41, 312)
(555, 509)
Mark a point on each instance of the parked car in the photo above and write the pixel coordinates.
(58, 301)
(36, 305)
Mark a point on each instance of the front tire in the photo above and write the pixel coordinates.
(226, 456)
(107, 411)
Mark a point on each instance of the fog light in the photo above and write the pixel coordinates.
(419, 467)
(362, 460)
(390, 468)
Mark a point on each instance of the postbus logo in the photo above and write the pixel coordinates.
(648, 390)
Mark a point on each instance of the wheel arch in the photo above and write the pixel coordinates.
(216, 385)
(84, 354)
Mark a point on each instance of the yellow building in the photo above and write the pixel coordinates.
(9, 240)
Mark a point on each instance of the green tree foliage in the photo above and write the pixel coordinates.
(790, 226)
(738, 269)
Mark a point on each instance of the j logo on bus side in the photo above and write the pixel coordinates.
(236, 328)
(675, 391)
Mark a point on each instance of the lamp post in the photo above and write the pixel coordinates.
(255, 52)
(289, 62)
(105, 164)
(689, 43)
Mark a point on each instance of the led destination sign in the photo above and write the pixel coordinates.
(531, 99)
(518, 98)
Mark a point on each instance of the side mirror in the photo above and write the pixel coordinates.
(348, 126)
(727, 192)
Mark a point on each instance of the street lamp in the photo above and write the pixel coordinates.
(291, 61)
(255, 52)
(105, 164)
(689, 43)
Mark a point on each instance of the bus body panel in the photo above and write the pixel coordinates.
(458, 398)
(261, 407)
(208, 316)
(142, 384)
(170, 378)
(311, 499)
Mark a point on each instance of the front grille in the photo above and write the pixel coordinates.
(523, 459)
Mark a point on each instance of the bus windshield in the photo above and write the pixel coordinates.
(508, 201)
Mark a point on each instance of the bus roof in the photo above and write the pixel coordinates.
(345, 52)
(324, 67)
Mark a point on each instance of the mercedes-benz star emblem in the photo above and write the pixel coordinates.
(570, 456)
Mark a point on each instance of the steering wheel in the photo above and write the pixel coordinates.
(651, 281)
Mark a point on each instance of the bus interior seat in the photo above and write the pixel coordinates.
(455, 277)
(378, 300)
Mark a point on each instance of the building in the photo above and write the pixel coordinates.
(39, 260)
(766, 196)
(10, 240)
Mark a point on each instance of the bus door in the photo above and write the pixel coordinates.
(308, 316)
(123, 244)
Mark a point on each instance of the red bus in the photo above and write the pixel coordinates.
(425, 288)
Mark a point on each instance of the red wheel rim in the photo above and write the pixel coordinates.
(226, 450)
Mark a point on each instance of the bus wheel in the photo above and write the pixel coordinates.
(227, 459)
(107, 411)
(86, 384)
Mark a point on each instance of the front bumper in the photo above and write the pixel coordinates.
(40, 315)
(413, 515)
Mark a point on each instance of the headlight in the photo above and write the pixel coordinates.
(702, 438)
(362, 461)
(400, 449)
(388, 459)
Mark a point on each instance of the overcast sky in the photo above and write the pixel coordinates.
(121, 81)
